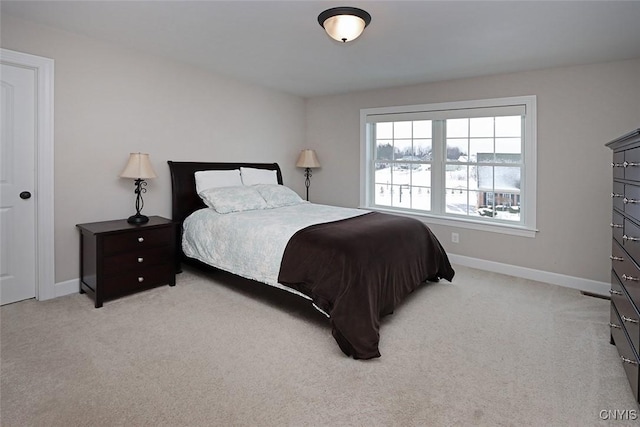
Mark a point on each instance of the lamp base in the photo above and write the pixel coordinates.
(138, 219)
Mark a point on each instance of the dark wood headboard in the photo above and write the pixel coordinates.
(184, 199)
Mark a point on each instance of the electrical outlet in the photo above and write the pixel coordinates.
(455, 237)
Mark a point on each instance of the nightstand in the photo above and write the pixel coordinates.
(118, 258)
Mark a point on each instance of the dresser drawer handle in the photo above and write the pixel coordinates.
(617, 165)
(629, 361)
(630, 278)
(614, 292)
(613, 325)
(617, 195)
(142, 259)
(631, 239)
(629, 319)
(627, 201)
(612, 225)
(628, 164)
(611, 257)
(140, 279)
(140, 239)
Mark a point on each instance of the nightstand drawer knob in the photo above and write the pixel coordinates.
(140, 259)
(613, 325)
(630, 278)
(629, 319)
(629, 361)
(614, 292)
(612, 225)
(140, 239)
(616, 258)
(140, 279)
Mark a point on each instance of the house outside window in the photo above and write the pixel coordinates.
(470, 164)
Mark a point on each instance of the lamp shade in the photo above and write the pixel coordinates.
(344, 24)
(308, 159)
(138, 166)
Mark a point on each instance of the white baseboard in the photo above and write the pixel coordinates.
(586, 285)
(67, 288)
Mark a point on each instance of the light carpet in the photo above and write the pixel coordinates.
(485, 350)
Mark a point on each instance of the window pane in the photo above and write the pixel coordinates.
(509, 126)
(509, 145)
(507, 179)
(456, 177)
(485, 178)
(382, 184)
(421, 175)
(402, 129)
(481, 126)
(481, 150)
(457, 128)
(475, 200)
(421, 198)
(384, 149)
(422, 129)
(457, 148)
(382, 195)
(402, 149)
(384, 130)
(457, 202)
(507, 206)
(400, 173)
(473, 178)
(422, 149)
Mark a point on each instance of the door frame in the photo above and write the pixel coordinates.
(45, 244)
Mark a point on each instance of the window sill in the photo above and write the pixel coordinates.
(461, 223)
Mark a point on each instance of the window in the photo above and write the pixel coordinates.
(469, 164)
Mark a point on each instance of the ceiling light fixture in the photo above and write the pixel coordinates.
(344, 24)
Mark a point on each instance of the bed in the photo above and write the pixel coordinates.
(353, 265)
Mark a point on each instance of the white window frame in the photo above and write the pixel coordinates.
(527, 227)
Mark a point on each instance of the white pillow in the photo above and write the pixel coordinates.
(214, 179)
(278, 195)
(233, 199)
(253, 176)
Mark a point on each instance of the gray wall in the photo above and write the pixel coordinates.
(110, 101)
(579, 110)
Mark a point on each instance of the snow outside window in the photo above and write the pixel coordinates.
(469, 164)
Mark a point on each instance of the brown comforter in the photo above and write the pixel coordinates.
(359, 269)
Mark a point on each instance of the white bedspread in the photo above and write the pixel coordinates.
(251, 243)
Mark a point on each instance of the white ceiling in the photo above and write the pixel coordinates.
(280, 45)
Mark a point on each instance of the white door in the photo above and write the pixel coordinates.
(17, 184)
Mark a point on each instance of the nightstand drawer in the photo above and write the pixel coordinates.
(118, 258)
(139, 239)
(137, 259)
(133, 281)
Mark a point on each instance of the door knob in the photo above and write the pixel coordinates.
(25, 195)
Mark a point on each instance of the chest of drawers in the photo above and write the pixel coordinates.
(118, 258)
(625, 254)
